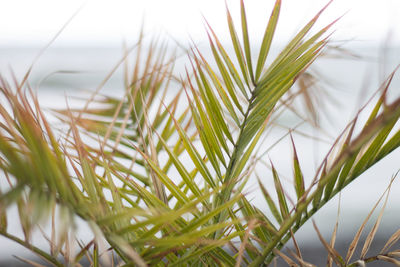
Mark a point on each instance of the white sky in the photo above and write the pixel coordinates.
(106, 22)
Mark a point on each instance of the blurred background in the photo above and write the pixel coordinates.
(94, 33)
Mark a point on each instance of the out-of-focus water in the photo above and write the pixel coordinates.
(350, 81)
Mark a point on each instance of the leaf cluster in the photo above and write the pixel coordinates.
(160, 173)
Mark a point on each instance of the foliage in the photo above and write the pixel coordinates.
(160, 173)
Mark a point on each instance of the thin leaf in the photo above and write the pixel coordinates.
(206, 217)
(391, 241)
(194, 155)
(334, 233)
(238, 49)
(298, 175)
(296, 41)
(221, 91)
(246, 155)
(246, 41)
(232, 71)
(267, 40)
(374, 229)
(210, 133)
(212, 104)
(353, 244)
(166, 181)
(389, 259)
(332, 251)
(270, 202)
(288, 260)
(186, 177)
(281, 194)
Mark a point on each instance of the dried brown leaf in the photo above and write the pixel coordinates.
(300, 260)
(395, 253)
(296, 246)
(333, 238)
(251, 226)
(332, 251)
(389, 259)
(391, 241)
(354, 243)
(372, 234)
(288, 260)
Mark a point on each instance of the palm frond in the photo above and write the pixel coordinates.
(160, 172)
